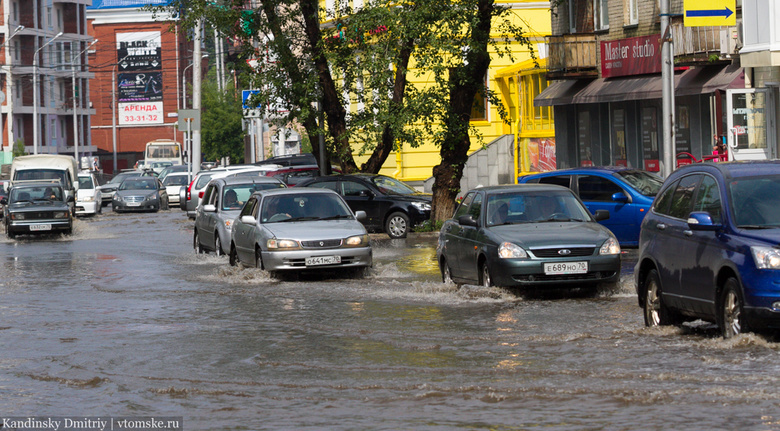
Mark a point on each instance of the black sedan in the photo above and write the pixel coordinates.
(391, 205)
(35, 207)
(527, 235)
(140, 194)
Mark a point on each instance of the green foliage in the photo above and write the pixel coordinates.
(221, 118)
(428, 226)
(19, 148)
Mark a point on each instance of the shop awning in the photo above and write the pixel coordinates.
(700, 80)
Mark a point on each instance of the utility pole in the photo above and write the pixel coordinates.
(75, 102)
(667, 77)
(196, 95)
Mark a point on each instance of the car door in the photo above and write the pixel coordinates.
(207, 221)
(703, 250)
(452, 237)
(672, 247)
(164, 203)
(244, 233)
(470, 241)
(597, 192)
(360, 197)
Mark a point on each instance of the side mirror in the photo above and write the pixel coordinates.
(360, 216)
(248, 219)
(601, 215)
(366, 194)
(702, 221)
(209, 208)
(467, 220)
(71, 198)
(620, 197)
(3, 201)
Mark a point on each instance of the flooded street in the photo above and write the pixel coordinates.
(124, 319)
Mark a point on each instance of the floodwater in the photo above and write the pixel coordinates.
(124, 319)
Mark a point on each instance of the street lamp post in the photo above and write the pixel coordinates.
(75, 104)
(184, 83)
(35, 92)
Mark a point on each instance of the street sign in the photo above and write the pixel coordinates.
(245, 94)
(189, 114)
(709, 13)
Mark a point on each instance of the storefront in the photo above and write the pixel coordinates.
(616, 120)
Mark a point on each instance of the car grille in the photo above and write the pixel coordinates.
(326, 243)
(599, 275)
(134, 199)
(345, 260)
(553, 252)
(39, 215)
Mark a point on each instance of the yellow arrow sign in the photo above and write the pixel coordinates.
(709, 13)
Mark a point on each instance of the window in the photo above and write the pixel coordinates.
(476, 207)
(352, 188)
(330, 185)
(559, 180)
(682, 199)
(15, 12)
(633, 12)
(708, 199)
(464, 206)
(249, 208)
(480, 106)
(16, 50)
(601, 14)
(594, 188)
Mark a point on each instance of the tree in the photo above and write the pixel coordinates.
(221, 118)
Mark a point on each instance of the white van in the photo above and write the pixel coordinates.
(48, 167)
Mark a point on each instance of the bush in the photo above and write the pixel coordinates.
(428, 226)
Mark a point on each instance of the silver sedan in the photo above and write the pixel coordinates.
(299, 229)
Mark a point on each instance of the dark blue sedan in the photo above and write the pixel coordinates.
(626, 193)
(709, 248)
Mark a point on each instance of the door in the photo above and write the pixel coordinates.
(751, 126)
(596, 193)
(361, 198)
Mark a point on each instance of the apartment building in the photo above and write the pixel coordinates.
(605, 71)
(44, 79)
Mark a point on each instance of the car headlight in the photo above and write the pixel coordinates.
(610, 246)
(766, 257)
(282, 244)
(356, 241)
(228, 224)
(422, 206)
(87, 199)
(509, 250)
(118, 198)
(61, 214)
(17, 216)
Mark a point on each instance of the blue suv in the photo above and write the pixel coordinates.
(626, 193)
(710, 248)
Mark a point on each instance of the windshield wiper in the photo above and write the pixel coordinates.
(335, 217)
(298, 219)
(755, 226)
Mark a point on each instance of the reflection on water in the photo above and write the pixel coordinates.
(125, 319)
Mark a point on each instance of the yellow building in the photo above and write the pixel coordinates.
(518, 82)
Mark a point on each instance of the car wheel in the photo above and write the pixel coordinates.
(10, 234)
(196, 243)
(218, 246)
(258, 259)
(446, 274)
(484, 278)
(397, 225)
(654, 310)
(233, 256)
(732, 317)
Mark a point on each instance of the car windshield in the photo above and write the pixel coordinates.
(303, 207)
(755, 201)
(138, 184)
(121, 177)
(203, 179)
(534, 207)
(175, 180)
(234, 196)
(38, 193)
(392, 186)
(86, 183)
(643, 182)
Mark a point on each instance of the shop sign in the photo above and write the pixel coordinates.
(632, 56)
(140, 50)
(141, 113)
(137, 87)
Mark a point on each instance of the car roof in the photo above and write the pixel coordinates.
(522, 188)
(36, 183)
(735, 169)
(248, 180)
(295, 191)
(586, 170)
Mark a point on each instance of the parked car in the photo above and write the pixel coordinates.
(209, 165)
(157, 167)
(173, 183)
(89, 199)
(391, 205)
(222, 201)
(170, 169)
(708, 248)
(107, 190)
(37, 206)
(527, 235)
(189, 198)
(626, 193)
(290, 160)
(142, 193)
(294, 175)
(294, 230)
(4, 186)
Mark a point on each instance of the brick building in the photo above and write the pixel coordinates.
(137, 89)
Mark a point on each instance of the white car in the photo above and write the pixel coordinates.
(89, 200)
(173, 183)
(189, 198)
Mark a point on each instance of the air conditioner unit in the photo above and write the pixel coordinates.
(731, 39)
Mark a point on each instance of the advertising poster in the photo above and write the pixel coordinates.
(542, 154)
(139, 51)
(619, 137)
(583, 138)
(140, 113)
(140, 86)
(650, 139)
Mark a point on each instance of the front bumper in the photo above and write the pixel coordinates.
(530, 272)
(38, 226)
(87, 207)
(147, 205)
(296, 259)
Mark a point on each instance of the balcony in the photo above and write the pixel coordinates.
(698, 45)
(572, 56)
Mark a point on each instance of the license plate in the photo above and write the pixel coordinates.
(134, 204)
(560, 268)
(39, 227)
(323, 260)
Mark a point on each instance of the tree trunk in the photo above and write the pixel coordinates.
(334, 111)
(382, 152)
(456, 142)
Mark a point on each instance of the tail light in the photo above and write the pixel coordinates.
(200, 194)
(189, 190)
